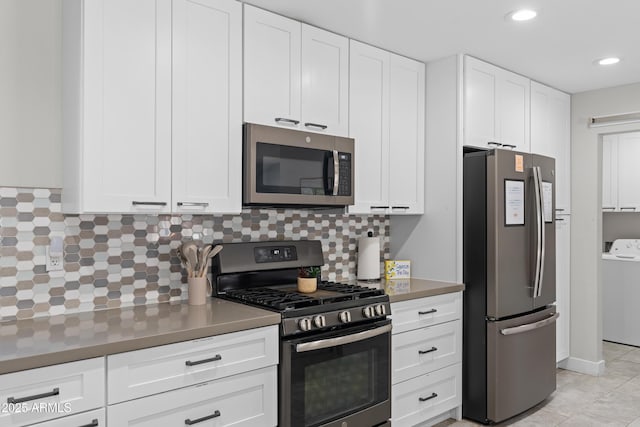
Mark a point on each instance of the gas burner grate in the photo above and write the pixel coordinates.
(357, 291)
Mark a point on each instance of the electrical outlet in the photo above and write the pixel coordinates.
(55, 255)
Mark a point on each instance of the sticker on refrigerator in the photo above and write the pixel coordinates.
(513, 202)
(519, 163)
(547, 201)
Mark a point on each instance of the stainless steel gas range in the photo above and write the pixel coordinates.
(335, 346)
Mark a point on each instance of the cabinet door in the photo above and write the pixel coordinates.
(271, 68)
(629, 172)
(610, 173)
(550, 136)
(512, 110)
(480, 97)
(369, 126)
(325, 81)
(127, 106)
(247, 399)
(563, 291)
(406, 135)
(207, 107)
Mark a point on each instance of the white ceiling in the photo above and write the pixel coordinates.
(557, 48)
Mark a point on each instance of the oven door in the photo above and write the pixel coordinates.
(338, 378)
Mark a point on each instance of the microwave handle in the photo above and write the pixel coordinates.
(336, 172)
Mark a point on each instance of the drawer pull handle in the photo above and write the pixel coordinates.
(424, 399)
(94, 423)
(284, 120)
(315, 125)
(55, 392)
(433, 310)
(431, 350)
(138, 203)
(189, 422)
(199, 362)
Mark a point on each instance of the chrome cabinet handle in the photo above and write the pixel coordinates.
(424, 399)
(285, 120)
(530, 326)
(54, 392)
(431, 350)
(406, 208)
(433, 310)
(189, 422)
(193, 204)
(93, 423)
(316, 125)
(559, 219)
(495, 144)
(379, 207)
(200, 362)
(608, 208)
(509, 146)
(559, 210)
(628, 208)
(137, 203)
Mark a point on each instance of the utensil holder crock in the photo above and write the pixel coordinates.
(197, 290)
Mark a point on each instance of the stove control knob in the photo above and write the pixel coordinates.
(344, 316)
(320, 321)
(305, 324)
(381, 310)
(368, 312)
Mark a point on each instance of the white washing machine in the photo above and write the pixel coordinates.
(621, 292)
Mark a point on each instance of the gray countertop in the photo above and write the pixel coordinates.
(31, 343)
(406, 289)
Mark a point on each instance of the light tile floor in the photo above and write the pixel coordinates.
(586, 401)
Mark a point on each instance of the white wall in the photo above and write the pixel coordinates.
(586, 196)
(30, 93)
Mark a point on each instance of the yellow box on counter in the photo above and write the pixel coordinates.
(397, 269)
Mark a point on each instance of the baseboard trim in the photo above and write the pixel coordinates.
(582, 366)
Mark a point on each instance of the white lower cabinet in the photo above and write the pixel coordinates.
(223, 380)
(427, 360)
(51, 392)
(247, 399)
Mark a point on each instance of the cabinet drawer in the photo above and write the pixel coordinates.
(417, 313)
(51, 392)
(95, 418)
(247, 399)
(154, 370)
(427, 396)
(424, 350)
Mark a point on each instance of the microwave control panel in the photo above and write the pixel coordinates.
(344, 183)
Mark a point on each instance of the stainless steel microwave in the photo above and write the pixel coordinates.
(284, 167)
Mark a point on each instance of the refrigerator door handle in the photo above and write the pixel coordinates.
(543, 233)
(539, 228)
(530, 326)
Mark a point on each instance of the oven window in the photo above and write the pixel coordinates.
(291, 170)
(330, 383)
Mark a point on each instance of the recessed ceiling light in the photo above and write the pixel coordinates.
(608, 61)
(523, 15)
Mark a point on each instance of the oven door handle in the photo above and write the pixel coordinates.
(347, 339)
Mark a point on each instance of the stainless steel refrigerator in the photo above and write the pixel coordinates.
(509, 333)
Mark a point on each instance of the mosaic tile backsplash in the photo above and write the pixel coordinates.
(121, 260)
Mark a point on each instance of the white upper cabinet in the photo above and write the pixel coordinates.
(295, 75)
(628, 172)
(550, 136)
(271, 68)
(143, 81)
(369, 126)
(117, 99)
(207, 106)
(609, 173)
(386, 119)
(496, 106)
(406, 135)
(325, 77)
